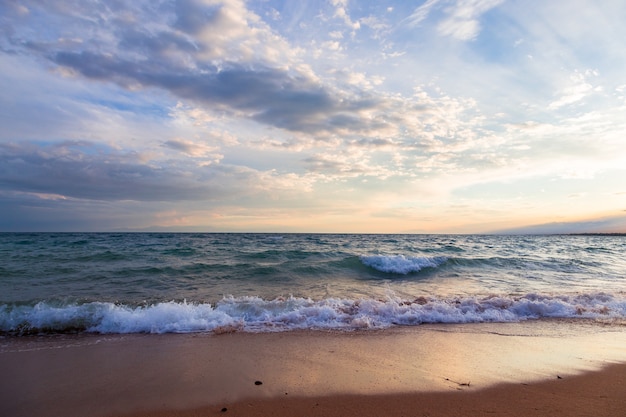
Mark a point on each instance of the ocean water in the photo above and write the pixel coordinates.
(168, 282)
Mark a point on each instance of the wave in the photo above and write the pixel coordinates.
(404, 265)
(400, 264)
(254, 314)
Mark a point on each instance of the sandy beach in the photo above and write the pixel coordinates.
(599, 393)
(532, 368)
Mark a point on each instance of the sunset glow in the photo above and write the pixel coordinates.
(437, 116)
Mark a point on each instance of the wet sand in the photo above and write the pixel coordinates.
(599, 393)
(546, 368)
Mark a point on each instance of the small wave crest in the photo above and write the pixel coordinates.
(254, 314)
(400, 264)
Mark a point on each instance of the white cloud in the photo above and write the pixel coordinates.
(336, 34)
(363, 80)
(374, 23)
(461, 18)
(332, 45)
(341, 12)
(462, 21)
(422, 12)
(578, 88)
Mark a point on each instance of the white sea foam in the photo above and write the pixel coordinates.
(254, 314)
(400, 264)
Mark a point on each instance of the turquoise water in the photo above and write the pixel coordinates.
(167, 282)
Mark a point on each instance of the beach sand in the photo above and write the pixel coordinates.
(552, 368)
(601, 393)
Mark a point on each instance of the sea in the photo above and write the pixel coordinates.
(121, 283)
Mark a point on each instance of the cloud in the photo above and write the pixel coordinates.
(461, 18)
(341, 12)
(176, 58)
(462, 21)
(616, 224)
(335, 34)
(273, 97)
(234, 105)
(89, 171)
(227, 30)
(422, 12)
(192, 149)
(267, 95)
(578, 88)
(217, 54)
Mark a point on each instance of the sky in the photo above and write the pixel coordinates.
(436, 116)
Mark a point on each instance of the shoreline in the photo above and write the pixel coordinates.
(357, 372)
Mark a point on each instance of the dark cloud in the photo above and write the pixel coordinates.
(85, 171)
(150, 45)
(615, 224)
(23, 212)
(267, 95)
(179, 146)
(191, 16)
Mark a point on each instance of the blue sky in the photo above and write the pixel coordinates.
(437, 116)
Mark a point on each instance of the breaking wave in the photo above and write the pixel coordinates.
(254, 314)
(400, 264)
